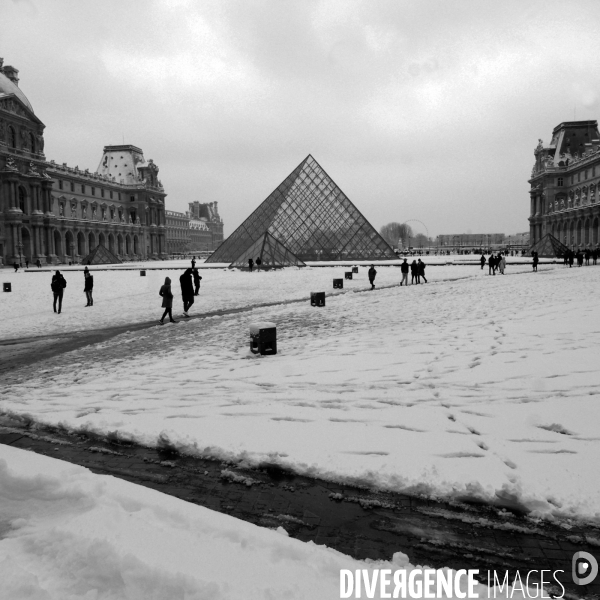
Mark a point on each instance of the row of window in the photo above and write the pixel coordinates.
(61, 186)
(591, 172)
(29, 144)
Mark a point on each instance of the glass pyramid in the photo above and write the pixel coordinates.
(272, 254)
(100, 256)
(312, 218)
(550, 247)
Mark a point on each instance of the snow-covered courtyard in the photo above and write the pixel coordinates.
(470, 386)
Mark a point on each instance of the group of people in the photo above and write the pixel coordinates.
(570, 257)
(417, 272)
(251, 263)
(497, 262)
(190, 287)
(59, 283)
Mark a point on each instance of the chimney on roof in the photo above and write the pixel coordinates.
(11, 73)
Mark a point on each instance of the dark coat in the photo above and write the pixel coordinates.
(167, 296)
(59, 283)
(187, 285)
(197, 277)
(372, 273)
(89, 284)
(404, 267)
(421, 268)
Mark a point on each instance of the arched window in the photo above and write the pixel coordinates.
(22, 201)
(32, 142)
(12, 137)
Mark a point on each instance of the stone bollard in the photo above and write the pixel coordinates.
(338, 283)
(263, 338)
(355, 269)
(348, 274)
(317, 298)
(6, 287)
(142, 273)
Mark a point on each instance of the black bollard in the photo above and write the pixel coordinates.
(338, 283)
(317, 298)
(263, 338)
(6, 287)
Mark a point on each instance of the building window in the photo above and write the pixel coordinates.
(594, 171)
(132, 198)
(571, 179)
(586, 174)
(72, 186)
(111, 197)
(12, 137)
(60, 184)
(119, 196)
(93, 191)
(82, 188)
(559, 182)
(579, 176)
(102, 192)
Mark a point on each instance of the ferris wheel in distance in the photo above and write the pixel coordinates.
(407, 239)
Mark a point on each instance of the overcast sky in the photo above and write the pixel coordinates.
(426, 110)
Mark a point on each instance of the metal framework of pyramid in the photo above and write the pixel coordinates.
(100, 256)
(312, 218)
(272, 253)
(550, 247)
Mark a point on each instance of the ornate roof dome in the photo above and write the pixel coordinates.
(8, 87)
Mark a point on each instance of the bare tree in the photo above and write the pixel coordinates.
(396, 234)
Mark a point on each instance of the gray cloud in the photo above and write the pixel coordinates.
(427, 110)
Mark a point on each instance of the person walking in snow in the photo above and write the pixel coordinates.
(193, 262)
(197, 279)
(58, 286)
(404, 268)
(502, 264)
(372, 273)
(421, 270)
(187, 291)
(88, 287)
(39, 264)
(258, 262)
(482, 261)
(536, 260)
(16, 266)
(492, 265)
(414, 275)
(167, 303)
(250, 264)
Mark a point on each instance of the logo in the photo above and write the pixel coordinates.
(585, 568)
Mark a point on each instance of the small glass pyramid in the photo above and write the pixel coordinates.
(100, 256)
(310, 216)
(549, 247)
(272, 253)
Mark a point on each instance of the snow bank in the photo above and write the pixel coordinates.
(69, 534)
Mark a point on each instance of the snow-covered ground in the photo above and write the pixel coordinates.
(480, 387)
(123, 296)
(66, 534)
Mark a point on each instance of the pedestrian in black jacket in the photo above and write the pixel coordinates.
(404, 268)
(187, 291)
(372, 273)
(414, 275)
(250, 264)
(58, 286)
(482, 261)
(88, 287)
(167, 303)
(421, 270)
(197, 279)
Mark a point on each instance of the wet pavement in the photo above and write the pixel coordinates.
(357, 522)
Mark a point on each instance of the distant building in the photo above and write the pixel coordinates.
(178, 237)
(56, 214)
(471, 240)
(207, 226)
(198, 230)
(565, 181)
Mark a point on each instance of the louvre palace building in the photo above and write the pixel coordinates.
(565, 186)
(55, 213)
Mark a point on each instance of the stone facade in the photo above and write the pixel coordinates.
(471, 240)
(198, 230)
(58, 214)
(564, 194)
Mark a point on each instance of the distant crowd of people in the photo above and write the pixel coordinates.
(570, 257)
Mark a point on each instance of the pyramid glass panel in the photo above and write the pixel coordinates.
(272, 253)
(550, 247)
(100, 255)
(311, 218)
